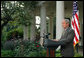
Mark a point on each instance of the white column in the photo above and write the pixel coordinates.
(51, 27)
(59, 18)
(81, 32)
(25, 30)
(33, 29)
(43, 22)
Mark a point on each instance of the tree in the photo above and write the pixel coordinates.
(27, 17)
(21, 11)
(30, 6)
(7, 10)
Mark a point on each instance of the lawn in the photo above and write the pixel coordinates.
(57, 54)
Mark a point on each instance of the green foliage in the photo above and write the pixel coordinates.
(9, 45)
(15, 12)
(8, 31)
(43, 53)
(23, 14)
(7, 11)
(77, 55)
(7, 53)
(58, 54)
(3, 36)
(24, 48)
(31, 5)
(17, 32)
(29, 49)
(32, 54)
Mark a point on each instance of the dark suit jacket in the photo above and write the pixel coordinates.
(66, 40)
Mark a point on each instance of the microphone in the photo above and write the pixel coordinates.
(47, 35)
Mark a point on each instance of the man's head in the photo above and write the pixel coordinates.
(66, 23)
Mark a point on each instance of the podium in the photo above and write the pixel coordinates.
(51, 46)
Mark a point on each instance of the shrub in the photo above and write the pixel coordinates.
(58, 54)
(9, 45)
(33, 54)
(16, 32)
(40, 53)
(43, 53)
(29, 49)
(7, 53)
(3, 36)
(77, 54)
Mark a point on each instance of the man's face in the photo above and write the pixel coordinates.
(64, 24)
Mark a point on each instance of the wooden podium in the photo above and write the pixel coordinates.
(50, 45)
(50, 52)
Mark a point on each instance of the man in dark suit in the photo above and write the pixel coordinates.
(66, 40)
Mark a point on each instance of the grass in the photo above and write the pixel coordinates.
(77, 54)
(57, 54)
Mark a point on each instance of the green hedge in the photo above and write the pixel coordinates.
(8, 35)
(17, 32)
(75, 55)
(7, 53)
(29, 49)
